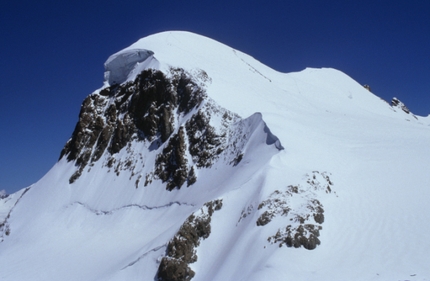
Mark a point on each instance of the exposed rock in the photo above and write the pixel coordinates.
(367, 87)
(205, 144)
(397, 103)
(265, 218)
(192, 178)
(189, 92)
(304, 219)
(172, 115)
(174, 270)
(121, 135)
(139, 110)
(181, 250)
(171, 163)
(305, 235)
(4, 229)
(246, 212)
(237, 160)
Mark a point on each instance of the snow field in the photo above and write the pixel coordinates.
(104, 228)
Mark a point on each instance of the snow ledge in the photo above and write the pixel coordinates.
(125, 65)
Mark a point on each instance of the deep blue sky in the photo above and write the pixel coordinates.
(52, 55)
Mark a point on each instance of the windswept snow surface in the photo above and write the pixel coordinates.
(377, 216)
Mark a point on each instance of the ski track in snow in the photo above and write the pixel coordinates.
(251, 68)
(142, 207)
(144, 255)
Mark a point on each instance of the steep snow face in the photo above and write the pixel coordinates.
(195, 161)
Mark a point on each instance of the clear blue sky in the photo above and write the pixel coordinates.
(52, 55)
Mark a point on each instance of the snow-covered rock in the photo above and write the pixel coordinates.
(195, 161)
(395, 102)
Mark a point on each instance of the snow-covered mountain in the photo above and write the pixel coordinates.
(194, 161)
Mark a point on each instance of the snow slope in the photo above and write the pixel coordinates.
(306, 139)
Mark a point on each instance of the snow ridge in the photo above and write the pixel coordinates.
(183, 126)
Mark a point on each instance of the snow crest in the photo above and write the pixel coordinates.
(125, 65)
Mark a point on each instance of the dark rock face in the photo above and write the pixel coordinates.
(171, 164)
(174, 270)
(181, 250)
(205, 143)
(140, 110)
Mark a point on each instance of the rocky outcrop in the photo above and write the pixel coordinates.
(205, 144)
(298, 209)
(181, 250)
(172, 116)
(367, 87)
(397, 103)
(171, 164)
(142, 110)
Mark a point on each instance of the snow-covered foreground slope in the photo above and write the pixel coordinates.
(205, 164)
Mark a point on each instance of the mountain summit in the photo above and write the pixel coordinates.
(194, 161)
